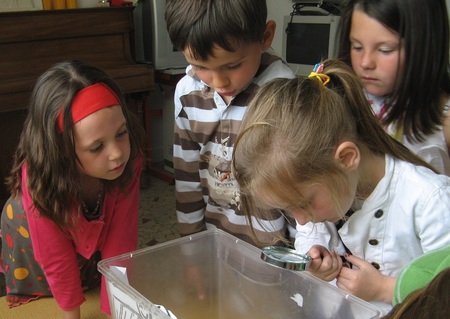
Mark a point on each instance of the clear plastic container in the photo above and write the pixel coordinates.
(234, 281)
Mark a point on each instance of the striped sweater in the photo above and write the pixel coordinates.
(207, 194)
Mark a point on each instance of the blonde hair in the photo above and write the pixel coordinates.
(290, 133)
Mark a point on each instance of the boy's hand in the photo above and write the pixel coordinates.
(366, 282)
(324, 265)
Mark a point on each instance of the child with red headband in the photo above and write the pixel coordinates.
(74, 188)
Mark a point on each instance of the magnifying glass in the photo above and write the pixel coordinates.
(285, 258)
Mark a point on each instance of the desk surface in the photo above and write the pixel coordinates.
(46, 308)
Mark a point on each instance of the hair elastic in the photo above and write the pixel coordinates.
(317, 73)
(89, 100)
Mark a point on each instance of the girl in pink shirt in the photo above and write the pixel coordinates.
(74, 188)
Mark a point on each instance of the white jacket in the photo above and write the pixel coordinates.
(407, 214)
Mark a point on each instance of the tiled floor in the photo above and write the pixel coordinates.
(157, 213)
(157, 222)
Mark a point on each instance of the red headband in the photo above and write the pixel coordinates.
(89, 100)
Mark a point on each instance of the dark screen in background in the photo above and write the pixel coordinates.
(307, 43)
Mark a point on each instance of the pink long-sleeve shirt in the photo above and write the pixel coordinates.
(114, 233)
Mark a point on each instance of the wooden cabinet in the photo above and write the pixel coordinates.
(32, 41)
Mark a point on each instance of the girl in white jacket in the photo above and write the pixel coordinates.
(313, 149)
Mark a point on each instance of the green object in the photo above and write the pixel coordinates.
(420, 272)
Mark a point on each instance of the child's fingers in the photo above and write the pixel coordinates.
(358, 262)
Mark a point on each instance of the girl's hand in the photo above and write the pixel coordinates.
(324, 265)
(366, 282)
(72, 314)
(195, 280)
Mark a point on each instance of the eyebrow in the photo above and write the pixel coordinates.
(240, 60)
(88, 146)
(397, 43)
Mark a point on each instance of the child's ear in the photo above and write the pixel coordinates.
(348, 154)
(269, 34)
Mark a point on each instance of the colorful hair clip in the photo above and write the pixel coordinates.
(317, 73)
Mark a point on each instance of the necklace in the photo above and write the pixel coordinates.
(91, 215)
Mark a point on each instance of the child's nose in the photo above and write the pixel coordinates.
(115, 152)
(367, 60)
(220, 80)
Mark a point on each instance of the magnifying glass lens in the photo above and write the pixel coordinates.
(286, 258)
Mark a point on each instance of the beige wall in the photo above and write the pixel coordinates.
(277, 9)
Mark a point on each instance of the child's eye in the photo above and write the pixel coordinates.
(96, 149)
(233, 67)
(122, 134)
(303, 206)
(386, 51)
(198, 68)
(354, 45)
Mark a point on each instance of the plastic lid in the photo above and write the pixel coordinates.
(286, 258)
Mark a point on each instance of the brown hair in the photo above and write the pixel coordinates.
(201, 24)
(423, 27)
(54, 181)
(431, 301)
(290, 133)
